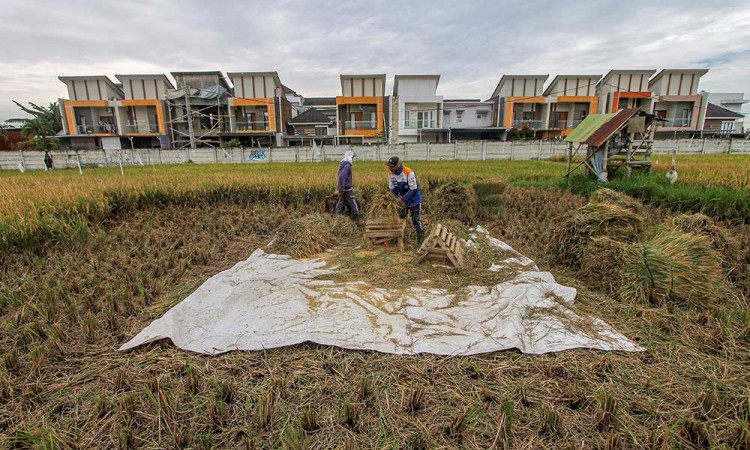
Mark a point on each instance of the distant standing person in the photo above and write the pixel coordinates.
(403, 184)
(47, 160)
(346, 190)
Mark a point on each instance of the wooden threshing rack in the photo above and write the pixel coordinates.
(381, 232)
(441, 244)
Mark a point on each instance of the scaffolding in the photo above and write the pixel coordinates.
(196, 117)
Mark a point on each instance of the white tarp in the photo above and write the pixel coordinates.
(270, 301)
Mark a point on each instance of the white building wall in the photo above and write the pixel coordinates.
(470, 118)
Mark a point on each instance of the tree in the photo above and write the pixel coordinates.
(41, 128)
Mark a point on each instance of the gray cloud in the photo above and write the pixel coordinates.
(470, 43)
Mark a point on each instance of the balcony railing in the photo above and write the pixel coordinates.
(419, 124)
(577, 122)
(558, 124)
(677, 122)
(258, 125)
(142, 128)
(533, 124)
(360, 125)
(100, 128)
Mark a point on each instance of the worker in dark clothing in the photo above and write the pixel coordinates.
(346, 191)
(403, 185)
(47, 160)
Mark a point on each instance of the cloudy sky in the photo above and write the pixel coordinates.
(470, 43)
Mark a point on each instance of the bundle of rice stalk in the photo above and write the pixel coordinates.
(382, 206)
(311, 234)
(669, 266)
(720, 239)
(609, 196)
(454, 201)
(574, 234)
(490, 193)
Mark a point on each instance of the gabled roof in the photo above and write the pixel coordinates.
(320, 101)
(104, 78)
(218, 73)
(505, 78)
(413, 77)
(378, 76)
(288, 90)
(273, 74)
(549, 91)
(699, 72)
(147, 76)
(311, 117)
(611, 73)
(717, 112)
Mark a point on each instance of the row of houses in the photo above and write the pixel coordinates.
(257, 109)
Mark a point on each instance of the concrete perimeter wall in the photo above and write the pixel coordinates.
(465, 151)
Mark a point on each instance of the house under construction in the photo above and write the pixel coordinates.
(198, 109)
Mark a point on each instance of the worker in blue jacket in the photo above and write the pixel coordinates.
(346, 190)
(403, 184)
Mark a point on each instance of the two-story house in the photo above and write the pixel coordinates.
(570, 98)
(519, 101)
(91, 113)
(625, 89)
(723, 115)
(470, 120)
(142, 112)
(417, 111)
(259, 110)
(359, 109)
(677, 100)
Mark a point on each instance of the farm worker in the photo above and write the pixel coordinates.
(403, 185)
(47, 160)
(346, 191)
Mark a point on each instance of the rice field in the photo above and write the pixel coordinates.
(88, 261)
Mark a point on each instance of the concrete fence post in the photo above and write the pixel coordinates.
(512, 150)
(729, 149)
(703, 147)
(428, 151)
(406, 151)
(484, 150)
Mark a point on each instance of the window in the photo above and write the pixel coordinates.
(321, 130)
(424, 119)
(459, 117)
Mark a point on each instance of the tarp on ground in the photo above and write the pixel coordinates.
(270, 301)
(590, 124)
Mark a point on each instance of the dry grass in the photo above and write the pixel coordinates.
(310, 234)
(63, 385)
